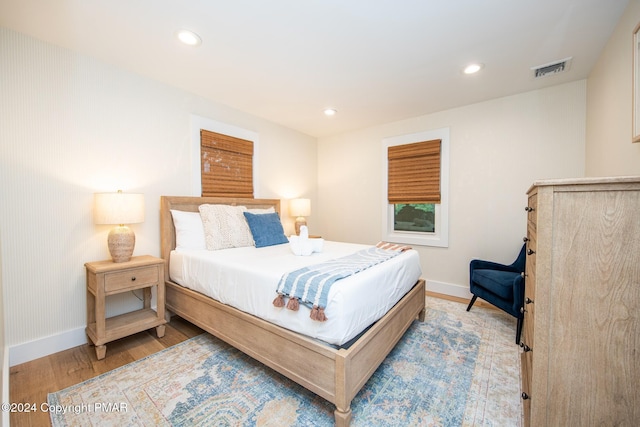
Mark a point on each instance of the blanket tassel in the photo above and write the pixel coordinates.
(279, 301)
(317, 313)
(293, 304)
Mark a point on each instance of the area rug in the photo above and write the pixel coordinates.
(456, 368)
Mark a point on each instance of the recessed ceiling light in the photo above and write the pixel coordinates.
(472, 68)
(189, 37)
(330, 111)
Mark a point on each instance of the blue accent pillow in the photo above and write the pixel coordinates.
(266, 229)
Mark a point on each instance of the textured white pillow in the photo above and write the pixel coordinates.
(225, 227)
(189, 230)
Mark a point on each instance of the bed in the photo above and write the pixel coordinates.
(334, 372)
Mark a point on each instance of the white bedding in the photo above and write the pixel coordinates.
(246, 278)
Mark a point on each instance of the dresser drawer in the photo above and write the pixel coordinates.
(528, 325)
(530, 260)
(529, 290)
(131, 279)
(526, 364)
(532, 214)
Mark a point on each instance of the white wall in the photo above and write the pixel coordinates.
(72, 126)
(498, 148)
(609, 149)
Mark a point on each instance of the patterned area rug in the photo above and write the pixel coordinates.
(457, 368)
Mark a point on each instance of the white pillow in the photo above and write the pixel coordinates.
(189, 230)
(260, 211)
(225, 227)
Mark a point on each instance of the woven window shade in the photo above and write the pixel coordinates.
(226, 165)
(414, 172)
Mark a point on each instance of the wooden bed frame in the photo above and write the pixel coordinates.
(334, 374)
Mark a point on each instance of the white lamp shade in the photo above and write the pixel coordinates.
(300, 207)
(118, 208)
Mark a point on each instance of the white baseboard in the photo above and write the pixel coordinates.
(41, 347)
(449, 289)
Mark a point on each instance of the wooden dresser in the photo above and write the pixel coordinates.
(580, 356)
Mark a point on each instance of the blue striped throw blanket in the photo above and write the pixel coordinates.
(311, 285)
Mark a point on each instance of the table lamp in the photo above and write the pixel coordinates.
(119, 208)
(300, 208)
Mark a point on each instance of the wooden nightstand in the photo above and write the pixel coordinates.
(108, 278)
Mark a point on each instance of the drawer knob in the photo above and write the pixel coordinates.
(530, 252)
(523, 275)
(525, 347)
(529, 209)
(522, 310)
(525, 396)
(133, 278)
(528, 300)
(525, 239)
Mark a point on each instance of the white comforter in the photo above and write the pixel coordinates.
(246, 278)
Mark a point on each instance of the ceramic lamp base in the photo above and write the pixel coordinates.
(121, 242)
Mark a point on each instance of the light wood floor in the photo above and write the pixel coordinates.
(31, 382)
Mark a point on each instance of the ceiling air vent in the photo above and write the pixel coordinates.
(551, 68)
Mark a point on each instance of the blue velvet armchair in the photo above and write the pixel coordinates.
(500, 285)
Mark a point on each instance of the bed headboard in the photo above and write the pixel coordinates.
(190, 204)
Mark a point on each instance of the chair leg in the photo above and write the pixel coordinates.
(471, 302)
(519, 330)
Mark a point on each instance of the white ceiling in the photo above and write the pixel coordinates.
(375, 61)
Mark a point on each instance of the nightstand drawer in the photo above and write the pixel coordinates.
(132, 278)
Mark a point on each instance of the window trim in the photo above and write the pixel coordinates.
(441, 236)
(198, 123)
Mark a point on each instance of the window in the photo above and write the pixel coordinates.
(414, 217)
(198, 184)
(226, 165)
(416, 188)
